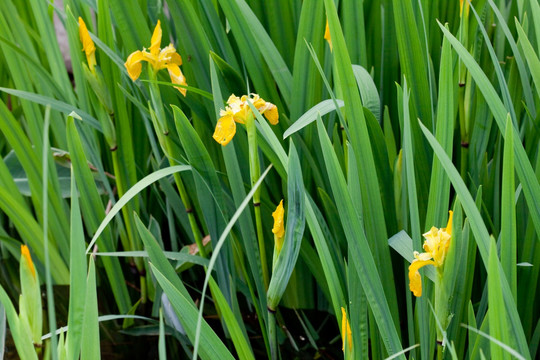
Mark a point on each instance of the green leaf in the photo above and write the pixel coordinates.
(176, 292)
(215, 255)
(294, 231)
(131, 193)
(413, 60)
(529, 182)
(481, 235)
(77, 281)
(322, 108)
(374, 220)
(93, 210)
(22, 340)
(358, 245)
(439, 186)
(508, 212)
(54, 104)
(497, 314)
(403, 244)
(368, 91)
(306, 84)
(90, 331)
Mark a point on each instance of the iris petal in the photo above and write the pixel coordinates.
(177, 77)
(133, 64)
(271, 113)
(225, 130)
(156, 40)
(415, 280)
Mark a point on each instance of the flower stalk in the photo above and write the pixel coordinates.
(436, 248)
(239, 110)
(255, 174)
(162, 130)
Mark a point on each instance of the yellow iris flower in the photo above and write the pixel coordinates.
(88, 45)
(279, 227)
(327, 35)
(345, 330)
(237, 112)
(166, 58)
(436, 246)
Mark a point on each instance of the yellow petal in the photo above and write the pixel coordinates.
(225, 130)
(153, 60)
(415, 280)
(270, 112)
(257, 101)
(175, 59)
(278, 214)
(133, 64)
(156, 40)
(177, 77)
(233, 99)
(327, 35)
(165, 57)
(432, 239)
(345, 330)
(241, 113)
(25, 254)
(88, 45)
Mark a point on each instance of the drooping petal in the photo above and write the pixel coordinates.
(327, 35)
(88, 45)
(177, 77)
(270, 112)
(156, 40)
(175, 59)
(415, 280)
(133, 64)
(225, 130)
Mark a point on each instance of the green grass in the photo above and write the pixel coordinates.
(121, 193)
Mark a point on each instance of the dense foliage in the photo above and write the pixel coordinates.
(270, 179)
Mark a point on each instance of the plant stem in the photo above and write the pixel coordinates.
(272, 335)
(255, 173)
(162, 130)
